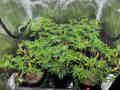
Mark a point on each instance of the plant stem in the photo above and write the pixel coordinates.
(6, 29)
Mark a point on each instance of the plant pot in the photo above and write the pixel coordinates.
(32, 78)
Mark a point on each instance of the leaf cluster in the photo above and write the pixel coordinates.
(73, 48)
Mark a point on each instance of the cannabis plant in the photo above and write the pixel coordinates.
(73, 48)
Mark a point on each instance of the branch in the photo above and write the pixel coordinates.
(6, 29)
(22, 28)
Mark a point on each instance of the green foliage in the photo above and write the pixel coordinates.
(69, 9)
(111, 19)
(73, 48)
(12, 12)
(7, 44)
